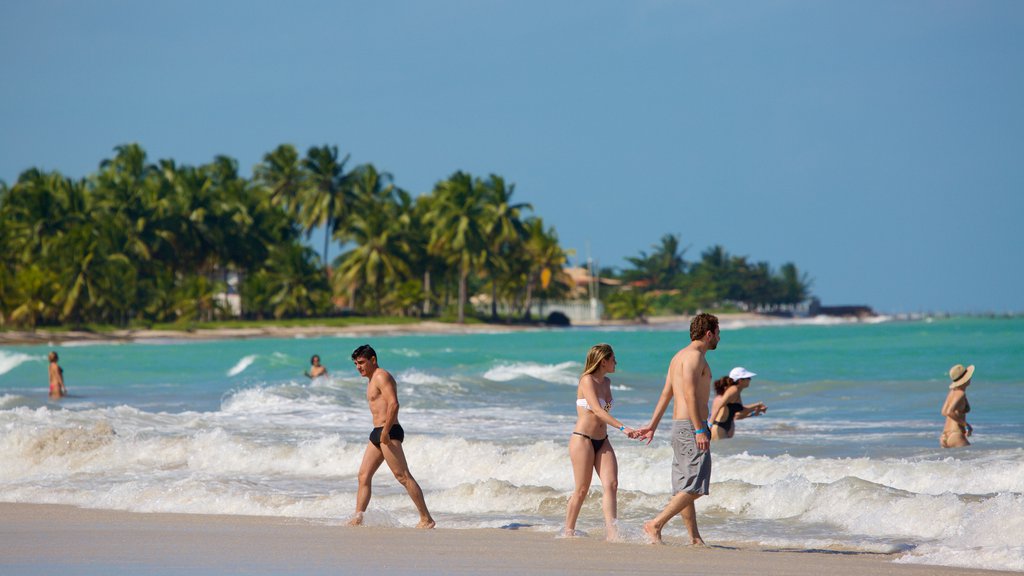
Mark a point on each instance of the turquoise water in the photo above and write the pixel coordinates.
(847, 456)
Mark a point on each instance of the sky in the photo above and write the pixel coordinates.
(878, 145)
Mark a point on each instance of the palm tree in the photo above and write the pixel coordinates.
(296, 287)
(503, 229)
(663, 267)
(284, 176)
(796, 287)
(35, 289)
(327, 197)
(378, 229)
(630, 304)
(669, 259)
(546, 259)
(457, 221)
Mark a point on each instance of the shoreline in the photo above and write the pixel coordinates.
(47, 337)
(50, 538)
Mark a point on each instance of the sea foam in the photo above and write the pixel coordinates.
(11, 360)
(242, 365)
(562, 373)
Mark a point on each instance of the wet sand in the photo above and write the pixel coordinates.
(53, 539)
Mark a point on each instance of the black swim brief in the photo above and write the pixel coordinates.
(396, 433)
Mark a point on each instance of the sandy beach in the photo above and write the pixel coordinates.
(43, 336)
(428, 327)
(52, 539)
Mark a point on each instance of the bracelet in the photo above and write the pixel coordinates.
(622, 428)
(701, 431)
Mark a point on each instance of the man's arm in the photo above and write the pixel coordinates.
(691, 370)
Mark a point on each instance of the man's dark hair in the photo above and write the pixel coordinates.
(364, 351)
(702, 324)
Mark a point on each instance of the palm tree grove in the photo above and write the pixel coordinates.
(140, 243)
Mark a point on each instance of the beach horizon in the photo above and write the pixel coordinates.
(50, 538)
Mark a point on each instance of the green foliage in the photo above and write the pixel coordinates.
(140, 244)
(630, 305)
(719, 280)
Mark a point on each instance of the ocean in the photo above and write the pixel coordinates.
(846, 458)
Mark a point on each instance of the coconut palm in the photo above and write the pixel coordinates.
(378, 230)
(546, 260)
(630, 304)
(284, 176)
(296, 287)
(458, 227)
(327, 196)
(35, 289)
(796, 287)
(503, 230)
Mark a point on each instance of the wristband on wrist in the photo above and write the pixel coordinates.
(701, 431)
(622, 428)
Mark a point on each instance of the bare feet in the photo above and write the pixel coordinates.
(426, 524)
(698, 543)
(356, 520)
(612, 533)
(653, 533)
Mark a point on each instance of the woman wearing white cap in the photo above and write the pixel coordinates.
(728, 406)
(956, 407)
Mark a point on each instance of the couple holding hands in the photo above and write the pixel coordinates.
(688, 386)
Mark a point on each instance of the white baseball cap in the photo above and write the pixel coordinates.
(739, 373)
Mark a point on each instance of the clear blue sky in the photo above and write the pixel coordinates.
(879, 145)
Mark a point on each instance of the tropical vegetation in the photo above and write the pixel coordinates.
(142, 243)
(665, 282)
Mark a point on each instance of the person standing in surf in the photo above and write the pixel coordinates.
(688, 386)
(590, 448)
(728, 405)
(316, 369)
(386, 438)
(57, 389)
(956, 407)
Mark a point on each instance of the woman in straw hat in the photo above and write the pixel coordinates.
(956, 407)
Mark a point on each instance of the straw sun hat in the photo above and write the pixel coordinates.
(960, 375)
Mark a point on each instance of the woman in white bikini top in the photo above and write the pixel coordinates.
(589, 448)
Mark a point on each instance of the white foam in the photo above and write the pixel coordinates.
(562, 373)
(294, 450)
(414, 376)
(11, 360)
(242, 365)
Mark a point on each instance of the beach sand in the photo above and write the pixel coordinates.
(53, 539)
(426, 327)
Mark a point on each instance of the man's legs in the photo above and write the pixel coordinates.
(372, 459)
(395, 457)
(683, 504)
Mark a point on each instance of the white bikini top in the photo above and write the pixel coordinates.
(606, 404)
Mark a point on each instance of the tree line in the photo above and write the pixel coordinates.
(665, 282)
(138, 242)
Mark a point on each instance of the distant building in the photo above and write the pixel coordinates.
(858, 311)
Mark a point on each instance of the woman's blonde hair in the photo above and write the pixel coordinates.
(598, 353)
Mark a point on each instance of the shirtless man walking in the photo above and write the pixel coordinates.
(688, 383)
(386, 438)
